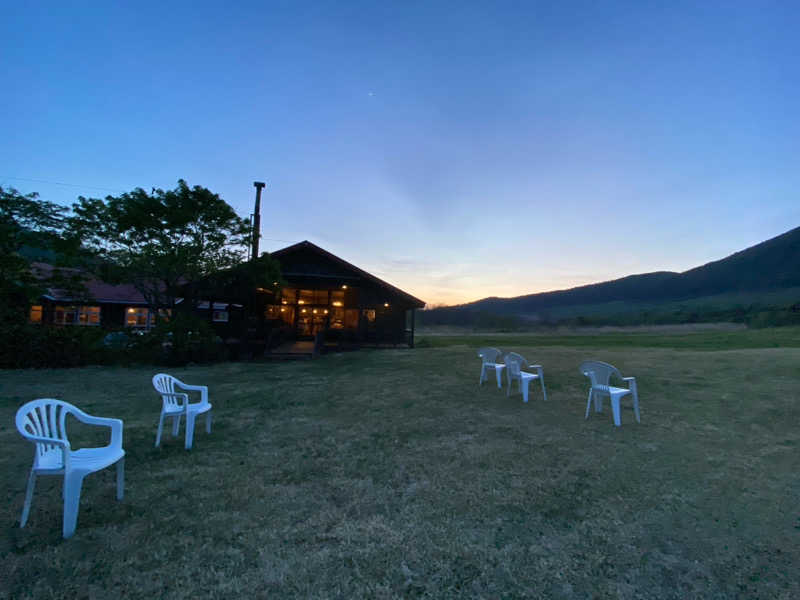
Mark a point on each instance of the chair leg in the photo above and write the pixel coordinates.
(26, 508)
(615, 409)
(120, 478)
(208, 422)
(588, 403)
(499, 374)
(189, 430)
(636, 406)
(160, 429)
(72, 498)
(176, 424)
(524, 383)
(598, 403)
(483, 375)
(544, 392)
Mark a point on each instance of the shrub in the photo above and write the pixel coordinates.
(26, 345)
(181, 340)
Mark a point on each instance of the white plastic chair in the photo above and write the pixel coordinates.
(43, 422)
(489, 357)
(600, 375)
(176, 404)
(514, 365)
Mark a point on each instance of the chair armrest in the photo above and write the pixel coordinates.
(63, 444)
(203, 389)
(631, 382)
(114, 424)
(47, 440)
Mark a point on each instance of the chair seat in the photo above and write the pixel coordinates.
(525, 375)
(85, 459)
(94, 459)
(197, 408)
(611, 390)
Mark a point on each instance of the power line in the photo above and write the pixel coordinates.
(90, 187)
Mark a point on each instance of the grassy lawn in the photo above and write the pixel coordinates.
(391, 473)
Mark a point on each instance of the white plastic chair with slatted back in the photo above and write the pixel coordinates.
(514, 365)
(43, 422)
(176, 404)
(600, 375)
(489, 358)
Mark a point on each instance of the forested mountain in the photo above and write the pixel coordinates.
(766, 267)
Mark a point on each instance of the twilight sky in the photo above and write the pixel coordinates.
(456, 150)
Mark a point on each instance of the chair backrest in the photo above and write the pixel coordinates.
(514, 363)
(165, 384)
(489, 355)
(599, 372)
(45, 418)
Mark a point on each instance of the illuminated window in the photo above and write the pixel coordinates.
(287, 314)
(351, 318)
(77, 315)
(89, 315)
(35, 314)
(321, 297)
(369, 315)
(288, 296)
(306, 297)
(337, 318)
(137, 317)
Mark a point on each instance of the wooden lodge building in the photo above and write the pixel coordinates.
(327, 296)
(326, 300)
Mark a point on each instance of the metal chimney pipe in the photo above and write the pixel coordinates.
(259, 185)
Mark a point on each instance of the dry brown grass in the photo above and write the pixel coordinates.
(392, 474)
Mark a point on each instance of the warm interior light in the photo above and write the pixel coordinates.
(337, 303)
(314, 311)
(301, 301)
(386, 305)
(304, 310)
(283, 310)
(284, 302)
(326, 311)
(130, 310)
(344, 287)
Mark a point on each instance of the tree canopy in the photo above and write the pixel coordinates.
(162, 241)
(32, 229)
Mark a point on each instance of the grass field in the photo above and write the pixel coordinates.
(391, 473)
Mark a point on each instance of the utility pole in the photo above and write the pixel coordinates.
(259, 185)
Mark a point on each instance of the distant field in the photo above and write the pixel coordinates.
(392, 474)
(677, 337)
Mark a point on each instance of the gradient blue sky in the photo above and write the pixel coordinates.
(456, 150)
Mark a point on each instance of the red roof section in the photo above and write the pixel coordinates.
(97, 290)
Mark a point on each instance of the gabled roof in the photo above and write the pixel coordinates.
(96, 290)
(347, 269)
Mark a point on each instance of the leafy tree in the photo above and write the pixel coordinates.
(163, 242)
(32, 229)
